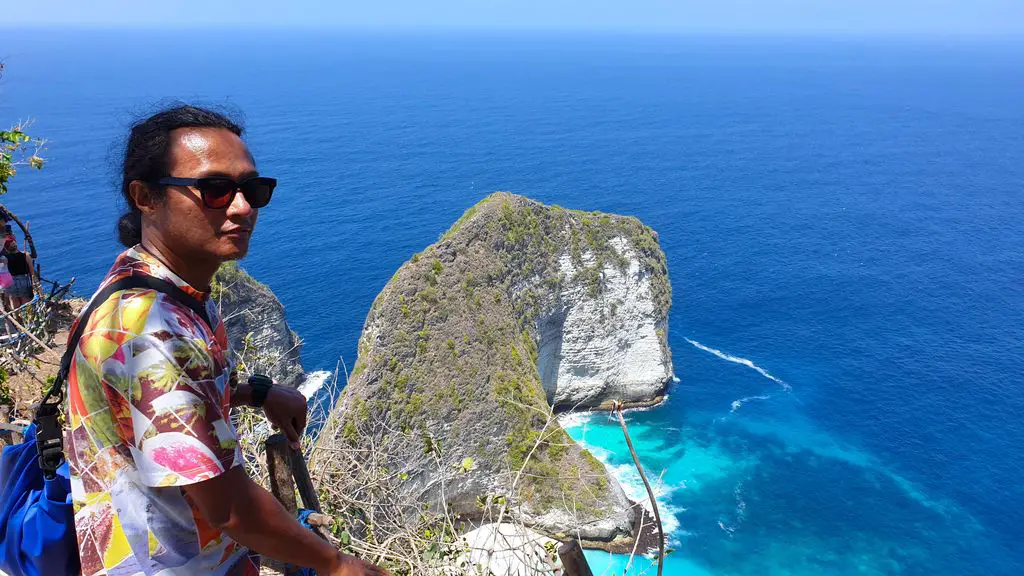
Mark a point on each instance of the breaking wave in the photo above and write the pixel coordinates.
(313, 383)
(633, 486)
(571, 420)
(630, 480)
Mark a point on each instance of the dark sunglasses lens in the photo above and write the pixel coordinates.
(217, 192)
(258, 191)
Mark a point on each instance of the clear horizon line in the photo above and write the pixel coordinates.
(546, 30)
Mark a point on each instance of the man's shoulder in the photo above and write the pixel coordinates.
(141, 310)
(149, 330)
(159, 311)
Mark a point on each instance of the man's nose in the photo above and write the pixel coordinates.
(239, 205)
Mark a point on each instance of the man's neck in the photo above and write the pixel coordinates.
(197, 273)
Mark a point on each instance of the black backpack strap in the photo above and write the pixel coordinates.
(49, 435)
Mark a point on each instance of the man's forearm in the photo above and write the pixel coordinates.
(241, 396)
(259, 522)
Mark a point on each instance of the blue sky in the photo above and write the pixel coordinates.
(745, 16)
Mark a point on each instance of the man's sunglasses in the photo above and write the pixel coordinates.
(218, 192)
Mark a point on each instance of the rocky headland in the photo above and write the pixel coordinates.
(257, 327)
(519, 310)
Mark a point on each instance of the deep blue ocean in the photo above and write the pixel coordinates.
(843, 219)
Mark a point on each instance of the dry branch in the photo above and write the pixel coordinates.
(647, 485)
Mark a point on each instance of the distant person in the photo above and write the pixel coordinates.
(21, 269)
(6, 283)
(158, 480)
(6, 217)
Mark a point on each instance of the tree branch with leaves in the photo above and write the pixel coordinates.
(18, 149)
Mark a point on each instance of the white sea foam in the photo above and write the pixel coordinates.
(572, 420)
(602, 454)
(313, 383)
(730, 527)
(741, 361)
(633, 486)
(628, 477)
(736, 404)
(741, 505)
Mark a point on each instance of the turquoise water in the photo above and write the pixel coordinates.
(841, 215)
(718, 481)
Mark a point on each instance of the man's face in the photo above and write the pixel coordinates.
(185, 224)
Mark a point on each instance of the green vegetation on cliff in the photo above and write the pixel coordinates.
(449, 350)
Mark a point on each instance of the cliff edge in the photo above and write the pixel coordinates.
(257, 327)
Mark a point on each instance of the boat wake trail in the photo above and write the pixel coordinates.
(741, 361)
(736, 404)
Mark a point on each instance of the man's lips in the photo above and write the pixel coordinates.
(236, 232)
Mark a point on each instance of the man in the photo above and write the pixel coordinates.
(157, 475)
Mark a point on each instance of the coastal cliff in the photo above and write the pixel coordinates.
(517, 309)
(257, 327)
(602, 332)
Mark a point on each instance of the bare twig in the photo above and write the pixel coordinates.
(32, 336)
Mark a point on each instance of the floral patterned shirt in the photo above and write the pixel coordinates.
(148, 408)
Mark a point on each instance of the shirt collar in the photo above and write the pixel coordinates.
(158, 269)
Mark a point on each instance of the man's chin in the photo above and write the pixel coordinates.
(233, 249)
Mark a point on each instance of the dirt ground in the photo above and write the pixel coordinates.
(27, 384)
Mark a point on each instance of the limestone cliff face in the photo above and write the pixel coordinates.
(517, 308)
(257, 327)
(608, 343)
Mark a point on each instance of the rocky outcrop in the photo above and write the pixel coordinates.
(518, 308)
(510, 550)
(257, 327)
(605, 344)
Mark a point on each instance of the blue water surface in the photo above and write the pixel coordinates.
(842, 220)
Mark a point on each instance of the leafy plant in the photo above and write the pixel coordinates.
(6, 397)
(18, 148)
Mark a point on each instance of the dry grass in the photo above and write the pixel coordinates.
(371, 512)
(26, 366)
(373, 517)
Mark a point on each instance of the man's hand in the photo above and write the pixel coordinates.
(352, 566)
(250, 515)
(286, 409)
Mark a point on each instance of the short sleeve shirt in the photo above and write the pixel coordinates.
(148, 408)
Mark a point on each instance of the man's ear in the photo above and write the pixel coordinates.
(142, 196)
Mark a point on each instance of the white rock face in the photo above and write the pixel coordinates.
(511, 550)
(608, 347)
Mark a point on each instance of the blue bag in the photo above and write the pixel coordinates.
(38, 530)
(37, 518)
(303, 518)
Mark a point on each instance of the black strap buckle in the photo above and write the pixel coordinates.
(49, 439)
